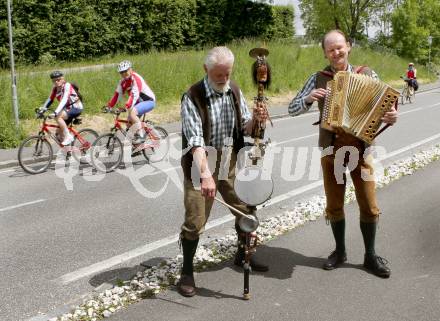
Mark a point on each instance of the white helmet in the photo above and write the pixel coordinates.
(124, 66)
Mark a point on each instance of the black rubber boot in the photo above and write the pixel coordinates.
(186, 285)
(372, 262)
(338, 256)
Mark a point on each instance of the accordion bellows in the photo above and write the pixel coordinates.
(356, 103)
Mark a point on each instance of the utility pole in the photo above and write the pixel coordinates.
(11, 59)
(429, 55)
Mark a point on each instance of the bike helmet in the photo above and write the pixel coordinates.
(56, 74)
(124, 66)
(411, 64)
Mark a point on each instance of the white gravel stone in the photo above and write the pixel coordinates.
(106, 314)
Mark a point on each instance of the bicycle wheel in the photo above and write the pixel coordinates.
(106, 153)
(35, 154)
(82, 144)
(158, 143)
(411, 94)
(403, 96)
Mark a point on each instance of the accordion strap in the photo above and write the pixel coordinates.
(359, 69)
(327, 73)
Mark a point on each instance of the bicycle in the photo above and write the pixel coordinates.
(107, 150)
(35, 153)
(408, 93)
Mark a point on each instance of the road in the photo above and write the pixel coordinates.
(60, 238)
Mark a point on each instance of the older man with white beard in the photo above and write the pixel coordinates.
(215, 118)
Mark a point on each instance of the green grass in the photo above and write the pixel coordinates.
(169, 74)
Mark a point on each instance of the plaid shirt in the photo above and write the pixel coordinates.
(222, 115)
(298, 105)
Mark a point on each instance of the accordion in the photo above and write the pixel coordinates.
(356, 103)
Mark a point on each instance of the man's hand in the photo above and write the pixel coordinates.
(260, 112)
(121, 110)
(390, 117)
(106, 109)
(208, 187)
(315, 95)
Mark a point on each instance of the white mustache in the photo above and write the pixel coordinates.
(219, 87)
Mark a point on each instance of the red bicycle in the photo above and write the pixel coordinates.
(108, 149)
(36, 152)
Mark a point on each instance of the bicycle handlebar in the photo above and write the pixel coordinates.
(114, 111)
(40, 114)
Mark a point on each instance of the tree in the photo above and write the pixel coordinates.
(412, 23)
(350, 16)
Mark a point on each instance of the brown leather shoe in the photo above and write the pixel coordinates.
(186, 285)
(334, 260)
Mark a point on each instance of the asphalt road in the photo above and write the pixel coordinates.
(60, 238)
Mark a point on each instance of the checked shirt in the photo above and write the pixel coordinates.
(221, 113)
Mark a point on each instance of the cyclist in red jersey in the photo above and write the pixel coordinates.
(141, 98)
(69, 107)
(411, 75)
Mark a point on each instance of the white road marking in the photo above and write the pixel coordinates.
(9, 170)
(294, 139)
(409, 147)
(310, 113)
(121, 258)
(292, 193)
(21, 205)
(106, 264)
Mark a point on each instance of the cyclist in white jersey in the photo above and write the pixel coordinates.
(69, 107)
(141, 98)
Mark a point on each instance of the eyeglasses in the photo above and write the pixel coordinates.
(57, 79)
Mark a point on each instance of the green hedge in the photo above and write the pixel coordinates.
(50, 31)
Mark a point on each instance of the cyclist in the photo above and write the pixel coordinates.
(411, 75)
(141, 98)
(69, 107)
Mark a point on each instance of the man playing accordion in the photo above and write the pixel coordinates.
(337, 49)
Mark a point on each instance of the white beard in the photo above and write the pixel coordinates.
(219, 88)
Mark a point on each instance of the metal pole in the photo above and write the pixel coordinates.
(13, 78)
(429, 55)
(429, 61)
